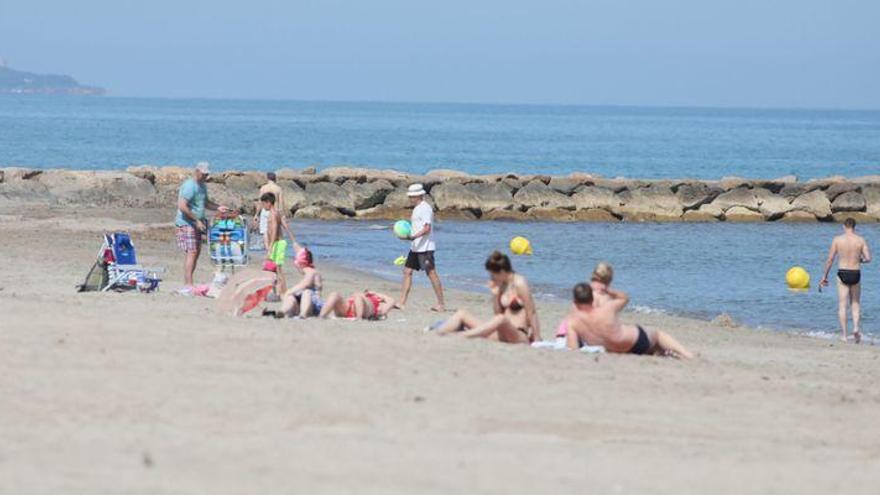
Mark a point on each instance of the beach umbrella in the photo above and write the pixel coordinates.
(245, 291)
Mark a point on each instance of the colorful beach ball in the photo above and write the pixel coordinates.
(520, 245)
(797, 278)
(402, 229)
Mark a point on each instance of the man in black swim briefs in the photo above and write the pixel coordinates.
(851, 250)
(601, 326)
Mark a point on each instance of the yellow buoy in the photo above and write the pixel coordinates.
(400, 260)
(797, 278)
(520, 246)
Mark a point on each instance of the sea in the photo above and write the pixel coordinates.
(697, 270)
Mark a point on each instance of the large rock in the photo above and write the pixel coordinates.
(383, 212)
(838, 188)
(618, 185)
(399, 200)
(594, 215)
(698, 216)
(545, 214)
(732, 182)
(692, 195)
(341, 175)
(593, 197)
(872, 200)
(502, 215)
(322, 212)
(172, 175)
(791, 191)
(475, 196)
(450, 195)
(772, 206)
(798, 216)
(301, 177)
(97, 188)
(146, 172)
(652, 204)
(814, 202)
(565, 185)
(848, 201)
(456, 214)
(218, 193)
(294, 195)
(330, 194)
(742, 214)
(740, 196)
(858, 216)
(536, 194)
(368, 194)
(245, 185)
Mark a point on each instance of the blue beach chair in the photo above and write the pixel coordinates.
(123, 271)
(228, 241)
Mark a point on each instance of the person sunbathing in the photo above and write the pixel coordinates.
(304, 298)
(366, 305)
(600, 325)
(600, 281)
(515, 320)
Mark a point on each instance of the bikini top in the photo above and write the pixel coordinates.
(514, 305)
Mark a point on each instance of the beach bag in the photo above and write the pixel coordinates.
(96, 280)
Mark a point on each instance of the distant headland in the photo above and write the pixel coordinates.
(19, 82)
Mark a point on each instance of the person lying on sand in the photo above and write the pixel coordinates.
(600, 326)
(515, 320)
(304, 298)
(600, 281)
(366, 305)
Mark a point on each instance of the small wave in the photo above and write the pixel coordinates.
(832, 336)
(547, 296)
(377, 227)
(647, 310)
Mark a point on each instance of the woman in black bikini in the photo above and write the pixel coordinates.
(515, 320)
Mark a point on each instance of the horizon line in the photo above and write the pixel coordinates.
(110, 94)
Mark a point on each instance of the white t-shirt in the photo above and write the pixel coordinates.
(423, 215)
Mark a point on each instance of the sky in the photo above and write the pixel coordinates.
(768, 53)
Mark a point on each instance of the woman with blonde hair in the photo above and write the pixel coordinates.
(600, 282)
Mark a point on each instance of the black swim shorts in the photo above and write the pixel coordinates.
(420, 261)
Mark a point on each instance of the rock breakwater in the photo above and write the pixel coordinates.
(359, 193)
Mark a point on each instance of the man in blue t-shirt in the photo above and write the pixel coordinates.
(192, 199)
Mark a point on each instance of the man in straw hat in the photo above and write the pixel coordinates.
(421, 254)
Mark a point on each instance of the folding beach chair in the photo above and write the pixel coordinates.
(117, 267)
(228, 241)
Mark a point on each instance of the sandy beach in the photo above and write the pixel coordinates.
(156, 393)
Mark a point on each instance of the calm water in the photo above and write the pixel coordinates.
(696, 270)
(104, 133)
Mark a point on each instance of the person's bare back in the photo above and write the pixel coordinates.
(851, 249)
(602, 326)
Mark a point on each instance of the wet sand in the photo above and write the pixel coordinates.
(132, 393)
